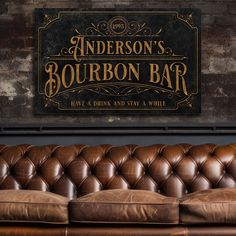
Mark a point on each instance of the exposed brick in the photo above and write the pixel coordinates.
(213, 45)
(4, 102)
(17, 43)
(226, 21)
(29, 42)
(39, 1)
(16, 23)
(3, 8)
(4, 43)
(22, 53)
(220, 86)
(18, 1)
(23, 20)
(210, 8)
(208, 20)
(64, 4)
(5, 20)
(5, 32)
(5, 54)
(232, 8)
(7, 88)
(222, 65)
(20, 64)
(218, 59)
(233, 46)
(22, 31)
(153, 4)
(17, 104)
(26, 9)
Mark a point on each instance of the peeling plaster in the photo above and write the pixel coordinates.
(23, 65)
(220, 93)
(231, 65)
(215, 49)
(7, 89)
(221, 65)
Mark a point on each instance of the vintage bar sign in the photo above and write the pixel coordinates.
(106, 61)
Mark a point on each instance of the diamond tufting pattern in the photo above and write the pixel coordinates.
(76, 170)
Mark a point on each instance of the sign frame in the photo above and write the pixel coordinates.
(46, 104)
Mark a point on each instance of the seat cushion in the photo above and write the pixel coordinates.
(125, 206)
(33, 206)
(209, 206)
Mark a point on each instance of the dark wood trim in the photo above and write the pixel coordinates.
(168, 129)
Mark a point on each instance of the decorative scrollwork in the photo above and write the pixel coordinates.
(49, 18)
(68, 51)
(64, 52)
(48, 102)
(77, 31)
(168, 51)
(187, 18)
(186, 103)
(118, 90)
(100, 29)
(123, 89)
(115, 26)
(120, 26)
(140, 30)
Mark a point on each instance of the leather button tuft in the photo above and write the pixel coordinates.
(11, 171)
(91, 171)
(173, 167)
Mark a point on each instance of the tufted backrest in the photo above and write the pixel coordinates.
(76, 170)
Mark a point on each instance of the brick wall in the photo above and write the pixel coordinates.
(218, 61)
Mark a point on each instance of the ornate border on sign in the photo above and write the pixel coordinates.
(139, 28)
(120, 89)
(49, 19)
(187, 18)
(131, 28)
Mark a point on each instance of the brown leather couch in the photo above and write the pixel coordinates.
(128, 190)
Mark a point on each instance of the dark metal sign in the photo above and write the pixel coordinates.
(122, 61)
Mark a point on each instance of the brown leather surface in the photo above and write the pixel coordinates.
(72, 171)
(33, 206)
(33, 231)
(126, 206)
(116, 231)
(212, 231)
(153, 231)
(128, 231)
(209, 206)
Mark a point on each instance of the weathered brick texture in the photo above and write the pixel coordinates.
(218, 60)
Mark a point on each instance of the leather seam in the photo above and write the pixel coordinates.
(121, 203)
(34, 203)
